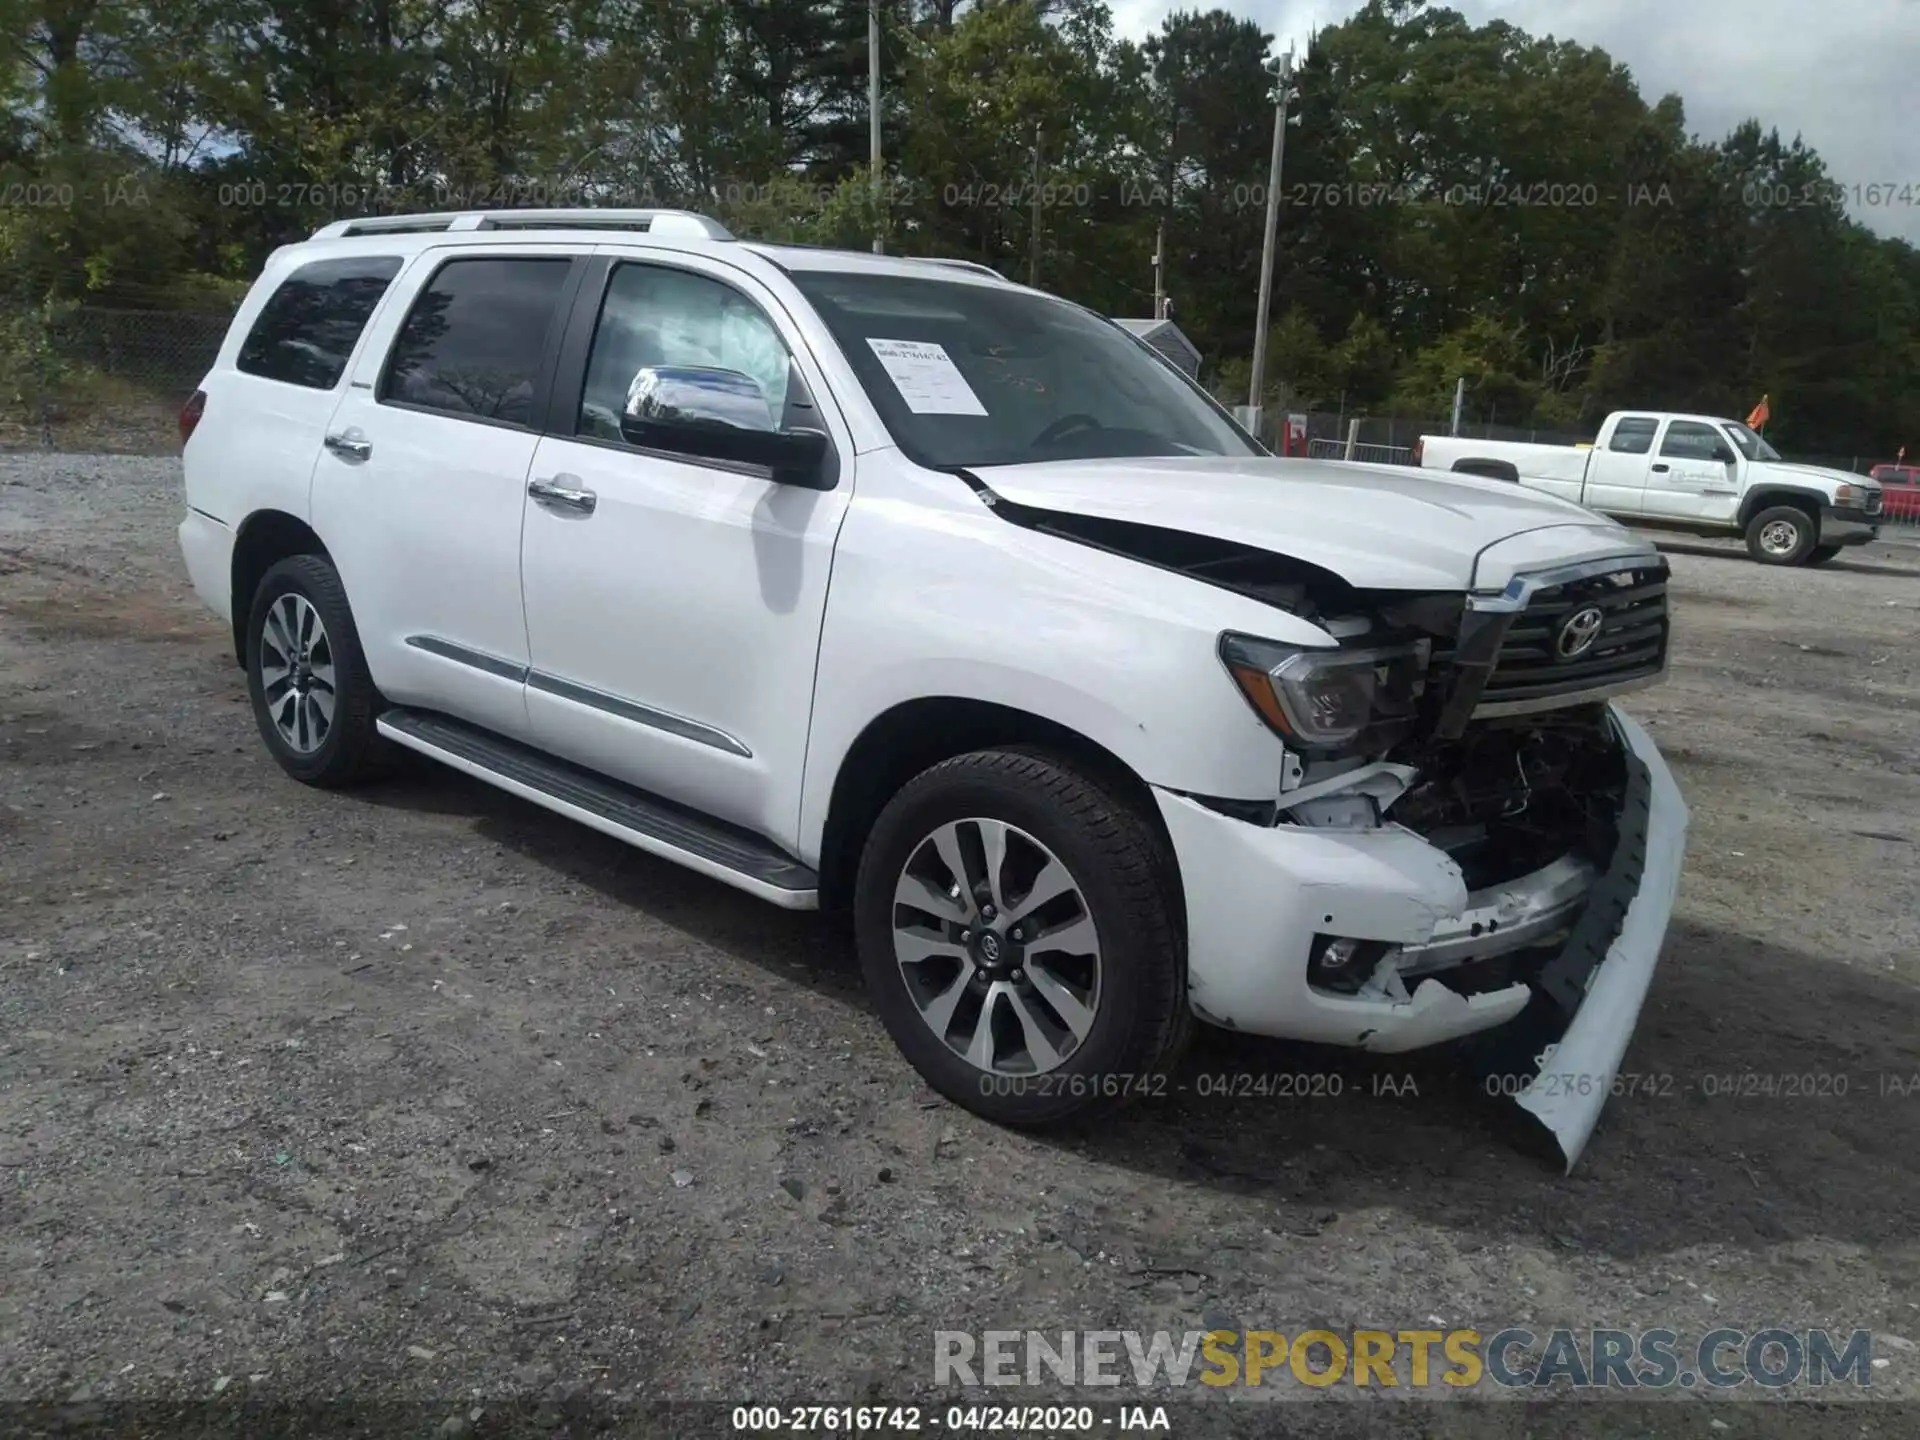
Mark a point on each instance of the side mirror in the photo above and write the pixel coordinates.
(1724, 454)
(718, 415)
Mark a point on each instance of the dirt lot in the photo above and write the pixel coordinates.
(422, 1096)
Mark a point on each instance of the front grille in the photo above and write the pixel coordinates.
(1631, 644)
(1873, 502)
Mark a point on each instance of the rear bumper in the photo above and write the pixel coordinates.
(206, 544)
(1256, 897)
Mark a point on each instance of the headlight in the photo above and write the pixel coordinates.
(1323, 699)
(1849, 495)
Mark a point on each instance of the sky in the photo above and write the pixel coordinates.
(1843, 74)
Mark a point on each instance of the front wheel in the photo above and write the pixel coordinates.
(1782, 535)
(1019, 939)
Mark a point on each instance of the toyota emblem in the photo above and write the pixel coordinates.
(1578, 633)
(990, 947)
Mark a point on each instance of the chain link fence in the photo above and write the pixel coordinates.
(100, 379)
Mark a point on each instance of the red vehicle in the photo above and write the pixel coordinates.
(1899, 489)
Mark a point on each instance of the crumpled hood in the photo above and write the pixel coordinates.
(1376, 526)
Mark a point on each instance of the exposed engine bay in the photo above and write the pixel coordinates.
(1511, 795)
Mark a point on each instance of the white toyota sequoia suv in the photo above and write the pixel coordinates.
(890, 586)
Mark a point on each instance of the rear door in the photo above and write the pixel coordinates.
(422, 481)
(1696, 474)
(266, 412)
(1617, 470)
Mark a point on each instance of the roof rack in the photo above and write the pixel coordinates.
(962, 265)
(684, 224)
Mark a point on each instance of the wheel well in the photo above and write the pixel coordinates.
(909, 738)
(1767, 499)
(1489, 470)
(267, 538)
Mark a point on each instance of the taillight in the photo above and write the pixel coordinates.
(1419, 446)
(190, 414)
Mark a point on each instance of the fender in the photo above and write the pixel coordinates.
(1771, 492)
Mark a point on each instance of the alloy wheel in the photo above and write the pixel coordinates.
(997, 947)
(296, 673)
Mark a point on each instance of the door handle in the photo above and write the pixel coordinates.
(563, 496)
(1660, 469)
(350, 445)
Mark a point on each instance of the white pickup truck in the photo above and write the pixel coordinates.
(1702, 473)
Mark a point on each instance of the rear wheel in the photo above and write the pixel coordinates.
(1821, 554)
(1781, 535)
(313, 698)
(1019, 938)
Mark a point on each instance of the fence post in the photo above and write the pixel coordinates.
(1353, 437)
(40, 357)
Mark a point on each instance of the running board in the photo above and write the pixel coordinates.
(660, 827)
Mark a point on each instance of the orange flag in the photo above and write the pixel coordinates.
(1761, 414)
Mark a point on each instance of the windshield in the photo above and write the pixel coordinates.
(977, 375)
(1751, 445)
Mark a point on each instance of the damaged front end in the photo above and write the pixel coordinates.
(1486, 849)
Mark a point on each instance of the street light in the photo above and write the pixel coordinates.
(1281, 67)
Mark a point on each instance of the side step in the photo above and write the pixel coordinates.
(660, 827)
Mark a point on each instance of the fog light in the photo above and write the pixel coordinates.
(1341, 963)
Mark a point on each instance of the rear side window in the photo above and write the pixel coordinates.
(473, 342)
(309, 326)
(1633, 436)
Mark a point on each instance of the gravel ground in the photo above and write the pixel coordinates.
(422, 1097)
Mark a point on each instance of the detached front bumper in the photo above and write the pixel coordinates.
(1256, 897)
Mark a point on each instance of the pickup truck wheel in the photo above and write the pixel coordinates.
(1782, 535)
(312, 697)
(1821, 554)
(1018, 938)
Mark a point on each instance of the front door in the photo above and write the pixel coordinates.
(674, 604)
(421, 486)
(1695, 476)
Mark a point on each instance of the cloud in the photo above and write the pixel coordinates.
(1844, 80)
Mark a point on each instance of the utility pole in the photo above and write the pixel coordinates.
(1282, 92)
(1160, 271)
(873, 119)
(1033, 244)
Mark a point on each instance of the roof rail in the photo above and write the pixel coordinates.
(684, 224)
(962, 265)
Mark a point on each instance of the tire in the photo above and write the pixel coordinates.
(328, 750)
(1767, 535)
(1821, 554)
(1131, 1019)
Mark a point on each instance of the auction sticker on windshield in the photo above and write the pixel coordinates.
(927, 378)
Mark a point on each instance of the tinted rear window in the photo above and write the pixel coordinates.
(473, 342)
(309, 326)
(1633, 436)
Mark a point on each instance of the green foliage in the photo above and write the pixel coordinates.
(1459, 200)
